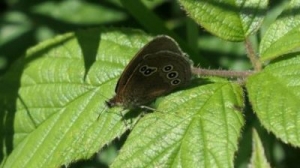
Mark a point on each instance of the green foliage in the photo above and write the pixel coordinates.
(52, 99)
(274, 95)
(258, 158)
(58, 99)
(231, 20)
(283, 36)
(188, 132)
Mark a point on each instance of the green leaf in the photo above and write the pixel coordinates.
(231, 20)
(283, 36)
(275, 95)
(258, 158)
(198, 127)
(61, 116)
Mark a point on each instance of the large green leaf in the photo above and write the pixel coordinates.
(231, 20)
(198, 127)
(283, 36)
(275, 95)
(61, 116)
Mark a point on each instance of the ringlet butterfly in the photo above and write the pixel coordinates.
(157, 69)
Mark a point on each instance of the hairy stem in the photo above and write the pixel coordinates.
(221, 73)
(252, 56)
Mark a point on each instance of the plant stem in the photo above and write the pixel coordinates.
(221, 73)
(252, 56)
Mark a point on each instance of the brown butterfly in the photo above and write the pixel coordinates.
(157, 69)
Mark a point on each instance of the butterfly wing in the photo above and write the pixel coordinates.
(159, 43)
(155, 75)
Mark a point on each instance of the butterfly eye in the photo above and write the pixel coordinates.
(147, 71)
(175, 82)
(143, 68)
(172, 75)
(167, 68)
